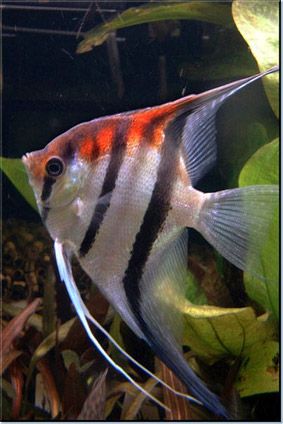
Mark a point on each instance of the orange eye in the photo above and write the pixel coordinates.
(54, 167)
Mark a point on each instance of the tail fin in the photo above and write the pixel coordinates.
(237, 222)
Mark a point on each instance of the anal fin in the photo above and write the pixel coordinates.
(160, 316)
(63, 258)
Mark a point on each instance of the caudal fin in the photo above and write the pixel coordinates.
(237, 223)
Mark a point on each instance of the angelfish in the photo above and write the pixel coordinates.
(118, 193)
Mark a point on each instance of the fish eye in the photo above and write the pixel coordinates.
(54, 167)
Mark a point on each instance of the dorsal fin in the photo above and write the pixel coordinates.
(194, 122)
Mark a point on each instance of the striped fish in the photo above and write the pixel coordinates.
(118, 193)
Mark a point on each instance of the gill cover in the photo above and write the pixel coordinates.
(65, 186)
(55, 180)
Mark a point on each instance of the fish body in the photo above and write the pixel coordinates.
(118, 193)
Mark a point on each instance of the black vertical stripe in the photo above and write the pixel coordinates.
(47, 188)
(117, 155)
(44, 214)
(154, 219)
(46, 193)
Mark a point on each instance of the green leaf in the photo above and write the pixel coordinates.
(226, 56)
(258, 22)
(219, 14)
(70, 357)
(130, 413)
(115, 331)
(15, 171)
(213, 332)
(263, 168)
(214, 67)
(266, 293)
(13, 310)
(48, 343)
(242, 145)
(194, 292)
(259, 373)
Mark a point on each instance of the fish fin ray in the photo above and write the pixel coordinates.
(64, 266)
(65, 272)
(162, 296)
(195, 124)
(237, 221)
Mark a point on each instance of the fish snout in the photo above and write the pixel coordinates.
(33, 164)
(26, 160)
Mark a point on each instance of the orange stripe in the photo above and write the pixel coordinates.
(95, 138)
(158, 134)
(97, 141)
(86, 148)
(135, 130)
(151, 121)
(141, 124)
(146, 125)
(105, 138)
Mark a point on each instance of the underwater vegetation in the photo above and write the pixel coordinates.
(50, 370)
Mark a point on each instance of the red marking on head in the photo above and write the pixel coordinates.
(148, 125)
(135, 130)
(95, 138)
(105, 138)
(86, 148)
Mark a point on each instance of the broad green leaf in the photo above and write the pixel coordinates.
(218, 67)
(219, 14)
(226, 57)
(259, 372)
(242, 145)
(263, 168)
(214, 332)
(258, 22)
(266, 293)
(15, 171)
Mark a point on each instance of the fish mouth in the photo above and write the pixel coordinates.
(26, 160)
